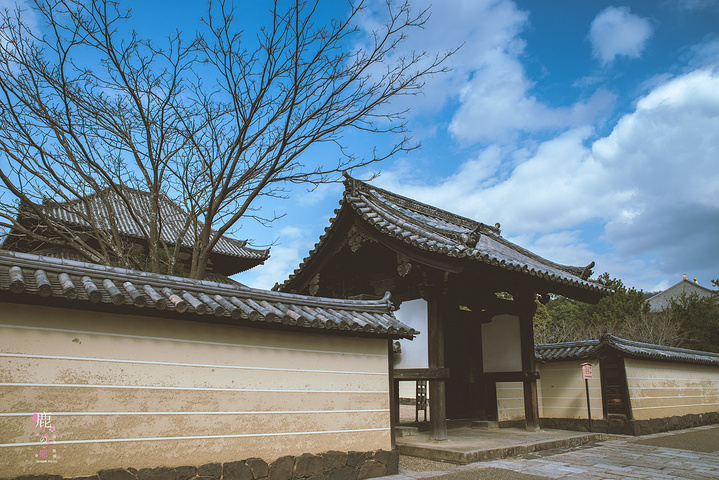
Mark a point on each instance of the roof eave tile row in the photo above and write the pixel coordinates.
(428, 241)
(589, 348)
(95, 284)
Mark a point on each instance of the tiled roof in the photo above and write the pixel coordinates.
(24, 277)
(686, 287)
(566, 351)
(67, 254)
(590, 348)
(435, 230)
(172, 220)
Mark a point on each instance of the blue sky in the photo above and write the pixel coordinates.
(588, 129)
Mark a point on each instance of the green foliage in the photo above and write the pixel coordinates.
(542, 321)
(610, 314)
(699, 319)
(689, 321)
(616, 309)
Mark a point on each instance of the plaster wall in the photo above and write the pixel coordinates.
(510, 401)
(408, 390)
(414, 352)
(563, 391)
(501, 344)
(122, 390)
(664, 389)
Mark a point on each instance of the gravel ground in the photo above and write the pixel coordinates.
(407, 414)
(457, 472)
(706, 441)
(488, 474)
(422, 465)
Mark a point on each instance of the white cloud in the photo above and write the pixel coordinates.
(650, 189)
(486, 75)
(616, 31)
(704, 54)
(317, 195)
(496, 104)
(692, 4)
(669, 148)
(559, 186)
(284, 259)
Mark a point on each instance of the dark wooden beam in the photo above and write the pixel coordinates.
(421, 373)
(526, 332)
(435, 260)
(509, 376)
(433, 292)
(393, 395)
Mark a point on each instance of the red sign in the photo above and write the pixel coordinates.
(586, 371)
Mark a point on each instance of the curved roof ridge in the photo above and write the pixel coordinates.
(682, 282)
(388, 212)
(421, 207)
(623, 342)
(434, 230)
(455, 239)
(574, 343)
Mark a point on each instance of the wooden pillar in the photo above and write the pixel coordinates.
(435, 351)
(393, 394)
(529, 370)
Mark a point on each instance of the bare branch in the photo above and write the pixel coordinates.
(90, 112)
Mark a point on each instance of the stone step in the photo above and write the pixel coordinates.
(402, 431)
(484, 424)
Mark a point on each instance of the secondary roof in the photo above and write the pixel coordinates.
(38, 280)
(587, 349)
(129, 210)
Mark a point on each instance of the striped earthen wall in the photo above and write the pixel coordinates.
(510, 401)
(122, 390)
(563, 391)
(664, 389)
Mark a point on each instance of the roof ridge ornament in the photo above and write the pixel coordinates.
(472, 237)
(587, 272)
(350, 184)
(387, 300)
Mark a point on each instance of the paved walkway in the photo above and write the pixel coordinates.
(468, 445)
(684, 454)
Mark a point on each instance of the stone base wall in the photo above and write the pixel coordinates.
(656, 425)
(326, 466)
(623, 426)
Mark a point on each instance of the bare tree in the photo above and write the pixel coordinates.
(90, 110)
(657, 328)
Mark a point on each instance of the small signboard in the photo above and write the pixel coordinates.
(587, 371)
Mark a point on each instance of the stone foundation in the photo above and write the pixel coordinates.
(325, 466)
(624, 426)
